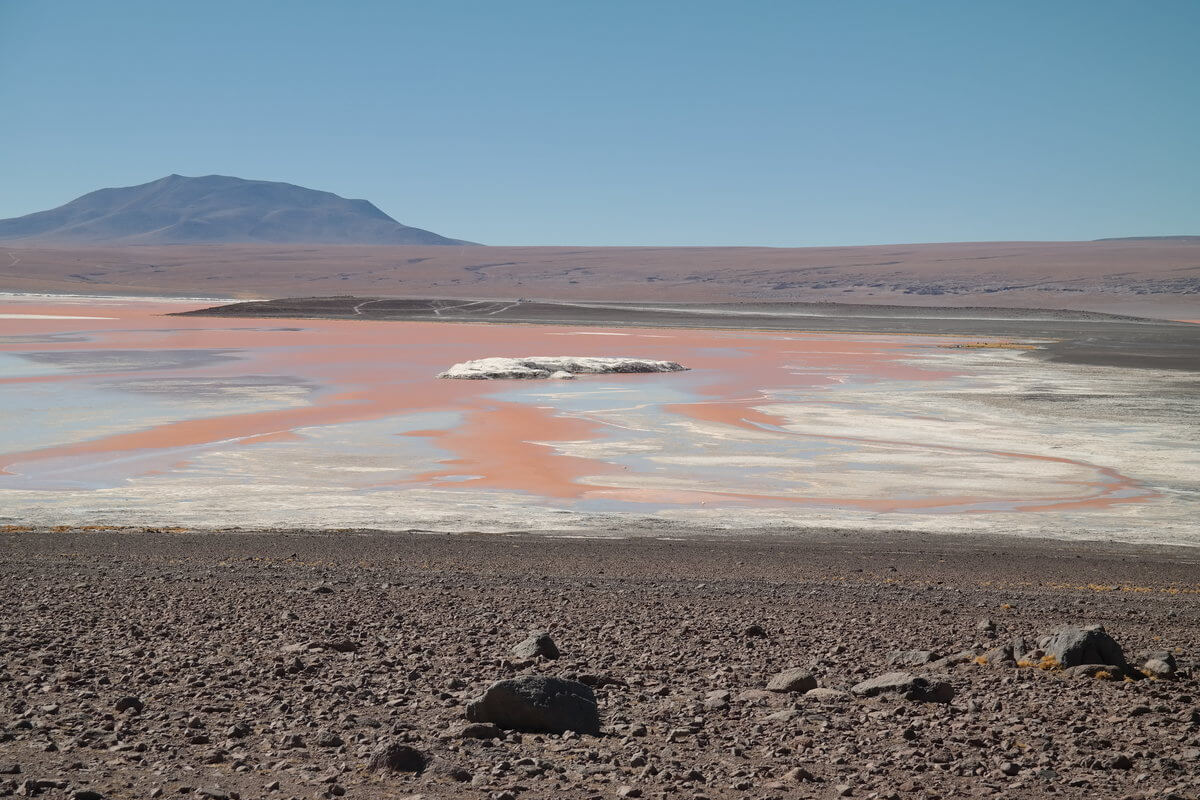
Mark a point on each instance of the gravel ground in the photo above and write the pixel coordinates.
(148, 663)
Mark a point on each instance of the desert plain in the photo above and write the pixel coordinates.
(261, 550)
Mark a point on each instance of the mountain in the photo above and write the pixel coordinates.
(215, 209)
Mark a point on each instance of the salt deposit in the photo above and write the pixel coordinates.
(560, 367)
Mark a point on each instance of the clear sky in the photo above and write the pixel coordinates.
(629, 122)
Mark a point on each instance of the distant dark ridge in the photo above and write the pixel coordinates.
(1182, 238)
(1071, 337)
(789, 315)
(216, 209)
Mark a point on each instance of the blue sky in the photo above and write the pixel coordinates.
(629, 123)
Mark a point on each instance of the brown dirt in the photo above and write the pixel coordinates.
(1154, 278)
(223, 638)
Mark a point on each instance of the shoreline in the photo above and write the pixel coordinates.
(1070, 337)
(896, 541)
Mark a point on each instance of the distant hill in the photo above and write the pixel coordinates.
(215, 209)
(1184, 238)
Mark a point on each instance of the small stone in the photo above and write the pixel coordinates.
(538, 645)
(792, 680)
(1160, 665)
(907, 686)
(1010, 768)
(912, 658)
(1097, 671)
(1000, 655)
(799, 775)
(396, 757)
(129, 703)
(784, 715)
(329, 739)
(292, 741)
(476, 730)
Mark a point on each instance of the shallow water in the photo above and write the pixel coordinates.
(105, 394)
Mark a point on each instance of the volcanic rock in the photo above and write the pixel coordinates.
(1159, 665)
(792, 680)
(1099, 671)
(906, 685)
(539, 644)
(476, 730)
(128, 703)
(396, 757)
(1073, 646)
(912, 658)
(538, 703)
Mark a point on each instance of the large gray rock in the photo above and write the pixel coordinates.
(538, 704)
(1160, 665)
(538, 644)
(912, 658)
(792, 680)
(907, 686)
(1073, 646)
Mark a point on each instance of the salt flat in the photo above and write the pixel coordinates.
(133, 417)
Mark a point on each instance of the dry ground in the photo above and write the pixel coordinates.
(1153, 278)
(271, 664)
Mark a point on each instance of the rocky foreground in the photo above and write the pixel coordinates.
(143, 664)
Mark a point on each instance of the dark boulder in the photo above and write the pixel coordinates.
(538, 704)
(396, 757)
(907, 686)
(129, 703)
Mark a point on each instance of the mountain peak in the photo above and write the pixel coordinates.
(216, 209)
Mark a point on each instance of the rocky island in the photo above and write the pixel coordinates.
(558, 367)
